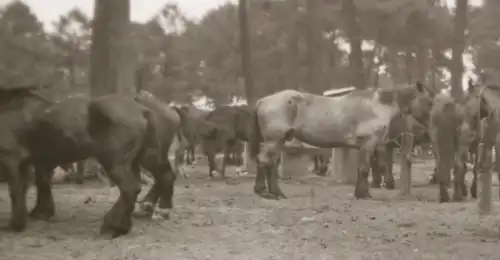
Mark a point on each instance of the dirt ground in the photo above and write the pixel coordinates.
(221, 220)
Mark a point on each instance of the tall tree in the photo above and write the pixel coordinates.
(246, 51)
(314, 39)
(111, 69)
(457, 69)
(353, 29)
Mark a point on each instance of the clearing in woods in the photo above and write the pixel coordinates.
(220, 220)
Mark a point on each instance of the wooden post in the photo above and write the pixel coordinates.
(344, 165)
(485, 180)
(406, 147)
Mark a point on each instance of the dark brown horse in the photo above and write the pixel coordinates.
(19, 105)
(358, 120)
(451, 137)
(382, 159)
(189, 136)
(120, 132)
(235, 121)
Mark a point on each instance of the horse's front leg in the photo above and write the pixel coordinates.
(497, 161)
(362, 190)
(211, 163)
(225, 157)
(459, 171)
(44, 207)
(388, 160)
(18, 186)
(376, 170)
(178, 164)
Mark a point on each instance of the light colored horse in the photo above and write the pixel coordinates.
(482, 113)
(358, 120)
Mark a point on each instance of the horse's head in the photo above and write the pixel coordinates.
(421, 105)
(409, 99)
(474, 103)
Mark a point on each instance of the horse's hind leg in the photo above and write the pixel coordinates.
(225, 157)
(211, 163)
(166, 180)
(260, 180)
(323, 165)
(18, 185)
(118, 221)
(459, 170)
(443, 177)
(272, 182)
(374, 165)
(44, 207)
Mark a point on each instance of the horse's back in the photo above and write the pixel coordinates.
(159, 106)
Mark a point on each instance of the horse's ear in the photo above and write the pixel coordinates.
(470, 85)
(419, 87)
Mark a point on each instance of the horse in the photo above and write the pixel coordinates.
(235, 122)
(358, 120)
(235, 153)
(194, 129)
(19, 105)
(188, 137)
(382, 159)
(119, 131)
(451, 136)
(481, 110)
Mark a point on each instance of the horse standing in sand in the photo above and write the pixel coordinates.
(482, 114)
(358, 120)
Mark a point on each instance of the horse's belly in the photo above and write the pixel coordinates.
(323, 133)
(371, 126)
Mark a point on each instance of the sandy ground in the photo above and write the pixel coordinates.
(220, 220)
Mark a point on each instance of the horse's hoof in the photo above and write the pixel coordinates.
(113, 232)
(17, 224)
(145, 210)
(473, 193)
(267, 195)
(161, 214)
(458, 198)
(38, 215)
(362, 195)
(444, 199)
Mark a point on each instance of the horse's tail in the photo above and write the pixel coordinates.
(180, 134)
(255, 136)
(98, 117)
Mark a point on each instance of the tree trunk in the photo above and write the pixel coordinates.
(345, 160)
(111, 69)
(246, 64)
(314, 75)
(354, 34)
(293, 47)
(457, 69)
(246, 52)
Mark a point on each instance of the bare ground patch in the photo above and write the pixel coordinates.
(217, 219)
